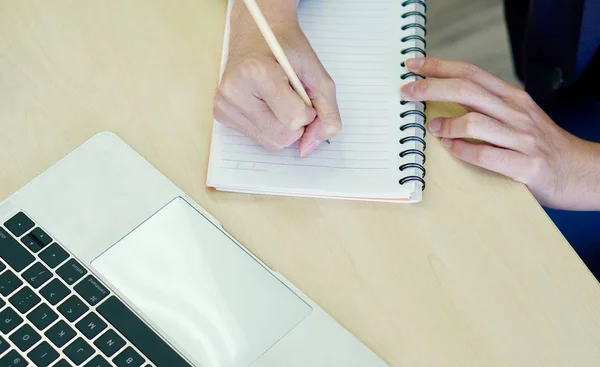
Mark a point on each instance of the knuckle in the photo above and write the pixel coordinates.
(422, 87)
(521, 98)
(530, 141)
(537, 168)
(465, 87)
(523, 118)
(334, 124)
(521, 95)
(458, 149)
(433, 64)
(329, 85)
(489, 126)
(484, 155)
(273, 147)
(226, 89)
(452, 128)
(469, 70)
(253, 68)
(334, 120)
(470, 129)
(273, 81)
(217, 105)
(471, 123)
(288, 138)
(300, 118)
(219, 112)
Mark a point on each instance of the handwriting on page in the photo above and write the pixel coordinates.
(346, 35)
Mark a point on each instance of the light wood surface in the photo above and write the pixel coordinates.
(475, 275)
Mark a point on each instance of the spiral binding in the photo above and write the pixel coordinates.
(414, 125)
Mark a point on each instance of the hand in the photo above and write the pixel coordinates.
(515, 137)
(255, 97)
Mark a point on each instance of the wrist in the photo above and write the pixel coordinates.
(584, 183)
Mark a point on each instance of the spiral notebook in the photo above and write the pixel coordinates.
(380, 154)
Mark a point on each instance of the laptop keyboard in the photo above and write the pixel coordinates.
(53, 312)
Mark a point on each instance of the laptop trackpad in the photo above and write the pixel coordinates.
(204, 293)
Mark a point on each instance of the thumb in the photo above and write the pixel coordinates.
(328, 122)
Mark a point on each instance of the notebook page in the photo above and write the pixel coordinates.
(357, 42)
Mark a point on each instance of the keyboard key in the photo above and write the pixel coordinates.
(54, 292)
(13, 253)
(37, 275)
(79, 351)
(71, 271)
(54, 255)
(24, 300)
(91, 290)
(40, 236)
(9, 320)
(25, 337)
(31, 243)
(97, 361)
(2, 303)
(109, 343)
(43, 355)
(60, 333)
(2, 266)
(91, 325)
(42, 316)
(13, 359)
(3, 345)
(19, 224)
(9, 282)
(73, 308)
(63, 363)
(129, 358)
(139, 334)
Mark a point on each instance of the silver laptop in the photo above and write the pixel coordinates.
(105, 262)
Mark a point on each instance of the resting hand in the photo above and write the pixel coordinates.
(515, 136)
(255, 96)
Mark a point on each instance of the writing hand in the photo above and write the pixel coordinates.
(255, 97)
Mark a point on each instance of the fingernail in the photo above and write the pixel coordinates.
(309, 148)
(447, 143)
(332, 129)
(416, 63)
(435, 125)
(408, 90)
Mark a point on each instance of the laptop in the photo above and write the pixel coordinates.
(105, 262)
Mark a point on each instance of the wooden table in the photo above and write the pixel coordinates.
(476, 275)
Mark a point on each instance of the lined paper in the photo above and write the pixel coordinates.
(358, 43)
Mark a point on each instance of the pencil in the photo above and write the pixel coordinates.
(277, 51)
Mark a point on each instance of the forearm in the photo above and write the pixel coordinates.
(277, 12)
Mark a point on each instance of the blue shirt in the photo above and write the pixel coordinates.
(555, 46)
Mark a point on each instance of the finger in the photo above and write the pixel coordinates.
(258, 114)
(480, 127)
(328, 122)
(229, 115)
(285, 103)
(504, 161)
(437, 68)
(466, 93)
(262, 81)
